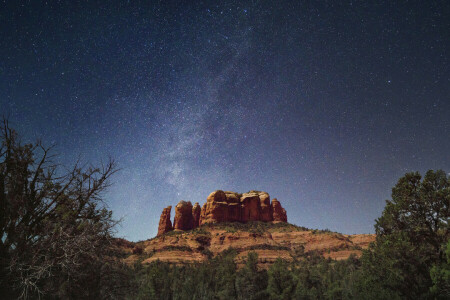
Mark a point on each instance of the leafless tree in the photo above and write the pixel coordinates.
(56, 232)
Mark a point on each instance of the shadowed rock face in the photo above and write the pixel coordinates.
(165, 225)
(196, 210)
(227, 206)
(183, 216)
(234, 206)
(266, 208)
(250, 207)
(279, 213)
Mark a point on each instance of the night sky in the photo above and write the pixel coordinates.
(322, 105)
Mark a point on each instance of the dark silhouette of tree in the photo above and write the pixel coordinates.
(419, 209)
(411, 237)
(281, 282)
(56, 233)
(251, 283)
(440, 275)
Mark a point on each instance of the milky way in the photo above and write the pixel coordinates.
(322, 105)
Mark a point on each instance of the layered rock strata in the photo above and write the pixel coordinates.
(223, 206)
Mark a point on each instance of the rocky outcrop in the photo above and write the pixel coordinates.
(250, 207)
(196, 210)
(215, 209)
(183, 216)
(228, 206)
(165, 225)
(266, 208)
(279, 213)
(234, 206)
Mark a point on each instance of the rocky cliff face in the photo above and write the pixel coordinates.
(279, 213)
(227, 206)
(196, 210)
(183, 216)
(266, 208)
(165, 225)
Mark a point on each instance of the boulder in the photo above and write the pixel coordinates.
(183, 216)
(165, 225)
(196, 215)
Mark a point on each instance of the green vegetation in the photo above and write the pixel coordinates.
(406, 260)
(409, 260)
(201, 230)
(176, 248)
(267, 247)
(56, 233)
(256, 227)
(57, 243)
(219, 278)
(176, 232)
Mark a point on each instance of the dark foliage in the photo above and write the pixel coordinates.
(311, 278)
(56, 234)
(409, 260)
(57, 243)
(412, 235)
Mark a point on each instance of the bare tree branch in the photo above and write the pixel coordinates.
(52, 228)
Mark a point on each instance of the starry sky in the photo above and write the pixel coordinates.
(323, 104)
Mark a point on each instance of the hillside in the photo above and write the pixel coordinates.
(246, 222)
(269, 240)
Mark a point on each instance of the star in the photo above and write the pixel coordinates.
(194, 98)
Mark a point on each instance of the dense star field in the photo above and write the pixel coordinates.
(323, 105)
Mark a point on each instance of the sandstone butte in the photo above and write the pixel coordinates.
(223, 206)
(245, 222)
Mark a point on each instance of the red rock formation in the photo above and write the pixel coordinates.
(279, 213)
(224, 207)
(196, 215)
(183, 216)
(203, 214)
(266, 208)
(234, 206)
(250, 207)
(165, 225)
(215, 209)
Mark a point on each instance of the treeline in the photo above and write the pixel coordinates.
(57, 242)
(219, 278)
(410, 259)
(312, 277)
